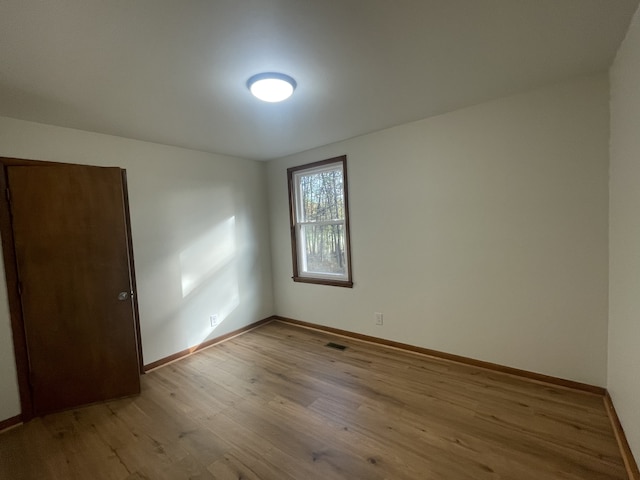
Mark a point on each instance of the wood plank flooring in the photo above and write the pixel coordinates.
(277, 404)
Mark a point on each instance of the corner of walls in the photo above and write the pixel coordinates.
(624, 236)
(200, 235)
(481, 232)
(267, 218)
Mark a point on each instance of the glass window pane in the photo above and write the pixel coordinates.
(321, 196)
(320, 220)
(323, 249)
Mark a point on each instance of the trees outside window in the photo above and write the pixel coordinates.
(320, 222)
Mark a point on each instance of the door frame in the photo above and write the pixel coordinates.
(11, 275)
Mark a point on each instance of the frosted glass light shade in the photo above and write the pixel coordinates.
(271, 87)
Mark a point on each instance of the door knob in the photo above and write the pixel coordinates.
(122, 296)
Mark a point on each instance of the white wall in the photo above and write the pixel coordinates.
(481, 232)
(624, 236)
(200, 236)
(9, 395)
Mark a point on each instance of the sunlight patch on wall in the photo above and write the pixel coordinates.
(202, 259)
(209, 278)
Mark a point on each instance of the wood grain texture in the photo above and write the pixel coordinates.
(538, 377)
(278, 404)
(196, 348)
(71, 247)
(11, 276)
(625, 449)
(13, 297)
(132, 269)
(10, 422)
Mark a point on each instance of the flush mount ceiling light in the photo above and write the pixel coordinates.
(271, 87)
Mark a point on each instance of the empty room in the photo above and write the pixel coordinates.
(286, 240)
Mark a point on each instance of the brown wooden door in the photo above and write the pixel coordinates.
(70, 236)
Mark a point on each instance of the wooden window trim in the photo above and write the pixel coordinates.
(348, 283)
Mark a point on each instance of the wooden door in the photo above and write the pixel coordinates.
(70, 236)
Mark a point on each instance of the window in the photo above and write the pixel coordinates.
(320, 222)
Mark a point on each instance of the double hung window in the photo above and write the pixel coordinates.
(320, 222)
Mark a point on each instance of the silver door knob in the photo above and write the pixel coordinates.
(122, 296)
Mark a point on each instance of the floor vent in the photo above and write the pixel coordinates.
(337, 346)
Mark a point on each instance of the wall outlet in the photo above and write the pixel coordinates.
(379, 318)
(214, 320)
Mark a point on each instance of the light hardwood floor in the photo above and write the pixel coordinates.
(277, 404)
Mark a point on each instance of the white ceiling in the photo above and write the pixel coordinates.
(174, 71)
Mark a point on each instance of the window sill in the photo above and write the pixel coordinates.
(324, 281)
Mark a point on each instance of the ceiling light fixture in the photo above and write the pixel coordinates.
(271, 87)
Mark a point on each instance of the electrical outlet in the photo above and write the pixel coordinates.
(379, 319)
(214, 320)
